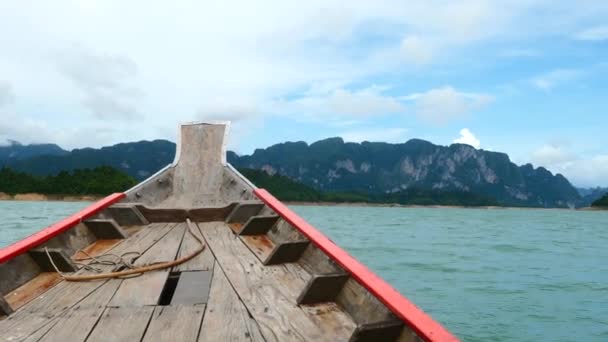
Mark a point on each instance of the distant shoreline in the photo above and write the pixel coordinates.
(36, 197)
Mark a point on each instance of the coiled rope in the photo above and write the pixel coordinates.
(122, 261)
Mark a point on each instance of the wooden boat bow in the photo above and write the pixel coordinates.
(265, 274)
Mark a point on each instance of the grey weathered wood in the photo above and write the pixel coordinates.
(408, 335)
(163, 215)
(243, 211)
(315, 261)
(60, 258)
(286, 252)
(363, 306)
(147, 288)
(17, 272)
(175, 323)
(32, 289)
(211, 213)
(257, 225)
(270, 292)
(72, 240)
(192, 288)
(282, 231)
(126, 214)
(322, 288)
(5, 308)
(383, 331)
(105, 229)
(40, 312)
(260, 245)
(78, 321)
(43, 310)
(226, 318)
(122, 324)
(202, 262)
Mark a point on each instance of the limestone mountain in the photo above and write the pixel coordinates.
(333, 165)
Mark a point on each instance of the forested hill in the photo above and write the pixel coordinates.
(102, 180)
(332, 165)
(601, 203)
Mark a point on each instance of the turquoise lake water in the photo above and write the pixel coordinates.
(486, 274)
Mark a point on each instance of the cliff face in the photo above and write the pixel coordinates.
(332, 165)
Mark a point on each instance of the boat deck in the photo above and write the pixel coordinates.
(225, 293)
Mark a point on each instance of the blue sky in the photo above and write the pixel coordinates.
(523, 77)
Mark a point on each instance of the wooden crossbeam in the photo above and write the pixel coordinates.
(105, 229)
(257, 225)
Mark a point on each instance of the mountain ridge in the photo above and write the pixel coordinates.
(334, 165)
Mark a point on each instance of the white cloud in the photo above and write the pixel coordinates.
(552, 79)
(581, 170)
(392, 135)
(551, 154)
(6, 93)
(597, 33)
(105, 80)
(343, 103)
(441, 105)
(123, 58)
(416, 50)
(467, 137)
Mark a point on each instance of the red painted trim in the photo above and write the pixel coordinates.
(420, 322)
(7, 253)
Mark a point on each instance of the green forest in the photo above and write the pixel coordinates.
(102, 180)
(602, 202)
(105, 180)
(286, 189)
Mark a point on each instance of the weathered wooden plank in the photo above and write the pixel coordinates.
(5, 308)
(211, 213)
(322, 288)
(105, 229)
(226, 318)
(383, 331)
(201, 262)
(126, 214)
(286, 252)
(163, 215)
(147, 288)
(364, 307)
(315, 261)
(60, 259)
(122, 324)
(244, 210)
(35, 337)
(32, 289)
(192, 288)
(17, 272)
(257, 225)
(78, 321)
(282, 231)
(261, 245)
(40, 311)
(407, 335)
(268, 297)
(96, 248)
(175, 323)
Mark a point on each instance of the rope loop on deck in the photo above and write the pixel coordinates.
(122, 261)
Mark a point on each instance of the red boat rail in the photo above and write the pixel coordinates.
(424, 326)
(7, 253)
